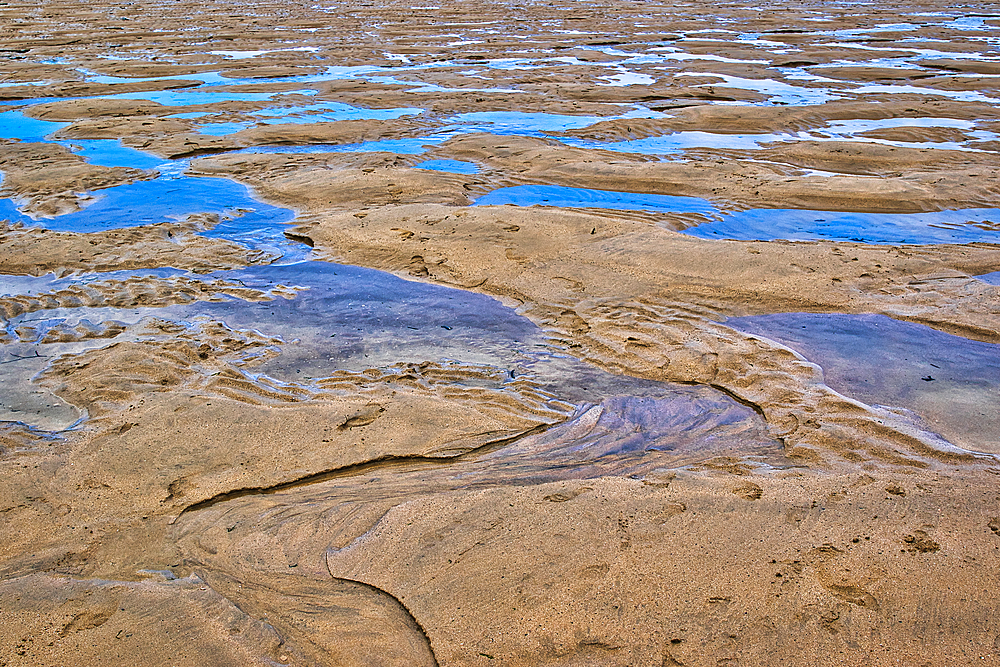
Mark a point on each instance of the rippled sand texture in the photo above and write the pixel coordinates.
(564, 333)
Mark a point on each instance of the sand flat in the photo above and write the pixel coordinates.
(472, 333)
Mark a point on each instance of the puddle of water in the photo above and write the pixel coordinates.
(515, 122)
(960, 95)
(840, 130)
(425, 87)
(23, 401)
(398, 146)
(953, 383)
(627, 78)
(193, 114)
(25, 284)
(450, 166)
(345, 318)
(215, 78)
(962, 226)
(324, 112)
(555, 195)
(679, 141)
(110, 153)
(167, 199)
(222, 129)
(971, 23)
(356, 319)
(328, 111)
(923, 53)
(193, 97)
(631, 424)
(854, 126)
(778, 92)
(991, 278)
(893, 27)
(512, 122)
(170, 197)
(240, 55)
(15, 125)
(666, 53)
(632, 435)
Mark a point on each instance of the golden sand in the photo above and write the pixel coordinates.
(206, 511)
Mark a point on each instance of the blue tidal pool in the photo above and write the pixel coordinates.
(961, 226)
(951, 382)
(162, 200)
(555, 195)
(449, 166)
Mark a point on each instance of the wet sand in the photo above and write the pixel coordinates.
(471, 334)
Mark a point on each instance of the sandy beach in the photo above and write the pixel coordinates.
(618, 333)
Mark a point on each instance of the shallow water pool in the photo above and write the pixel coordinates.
(449, 166)
(961, 226)
(556, 195)
(953, 383)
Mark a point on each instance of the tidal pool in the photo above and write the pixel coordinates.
(168, 199)
(533, 124)
(991, 278)
(961, 226)
(343, 317)
(557, 195)
(449, 166)
(15, 125)
(334, 318)
(840, 130)
(169, 196)
(397, 146)
(350, 318)
(951, 382)
(321, 112)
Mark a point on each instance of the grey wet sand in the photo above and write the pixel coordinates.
(429, 512)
